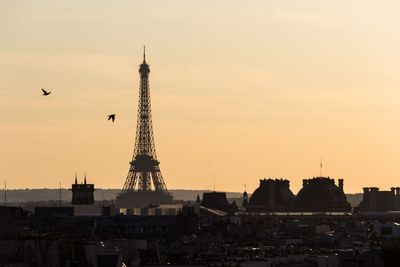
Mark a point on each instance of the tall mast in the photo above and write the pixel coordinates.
(60, 195)
(5, 192)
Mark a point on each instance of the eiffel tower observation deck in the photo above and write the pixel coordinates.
(144, 184)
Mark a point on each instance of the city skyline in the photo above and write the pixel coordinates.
(238, 94)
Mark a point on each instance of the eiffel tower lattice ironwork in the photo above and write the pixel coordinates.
(144, 173)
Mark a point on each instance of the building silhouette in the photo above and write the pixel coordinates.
(218, 201)
(320, 194)
(82, 194)
(375, 200)
(144, 184)
(271, 195)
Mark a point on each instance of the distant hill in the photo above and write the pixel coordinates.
(354, 199)
(29, 195)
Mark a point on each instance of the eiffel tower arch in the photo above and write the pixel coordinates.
(144, 184)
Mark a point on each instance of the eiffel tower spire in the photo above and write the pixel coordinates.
(144, 172)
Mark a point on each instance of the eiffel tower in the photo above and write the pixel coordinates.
(144, 184)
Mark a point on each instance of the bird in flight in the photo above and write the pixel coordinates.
(45, 93)
(111, 117)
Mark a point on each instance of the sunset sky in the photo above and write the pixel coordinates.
(240, 90)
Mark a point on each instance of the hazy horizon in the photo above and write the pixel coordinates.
(240, 91)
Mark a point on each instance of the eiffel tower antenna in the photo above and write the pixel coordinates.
(144, 175)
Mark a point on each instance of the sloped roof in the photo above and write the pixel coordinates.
(321, 194)
(281, 193)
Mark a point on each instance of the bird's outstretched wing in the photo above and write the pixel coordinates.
(45, 93)
(111, 117)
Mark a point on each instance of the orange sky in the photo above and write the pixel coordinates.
(241, 90)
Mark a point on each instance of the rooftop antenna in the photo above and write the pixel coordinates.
(144, 54)
(60, 194)
(5, 192)
(214, 183)
(244, 187)
(320, 166)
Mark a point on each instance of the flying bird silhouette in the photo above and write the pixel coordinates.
(45, 92)
(111, 117)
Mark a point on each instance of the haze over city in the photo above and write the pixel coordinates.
(240, 91)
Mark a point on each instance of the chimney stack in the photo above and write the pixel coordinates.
(341, 184)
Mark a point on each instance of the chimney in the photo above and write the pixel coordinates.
(287, 183)
(341, 184)
(373, 203)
